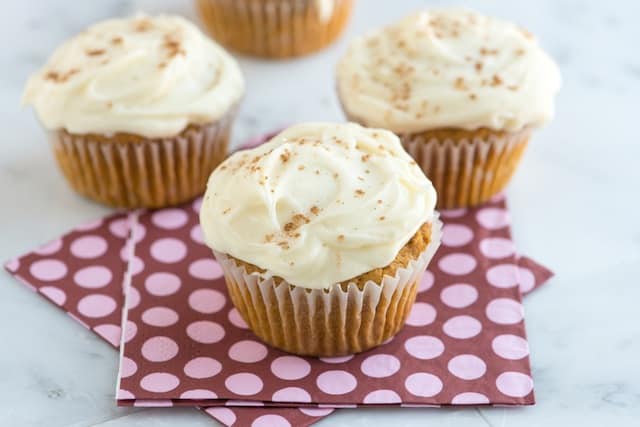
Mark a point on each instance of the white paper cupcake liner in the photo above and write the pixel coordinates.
(327, 322)
(142, 173)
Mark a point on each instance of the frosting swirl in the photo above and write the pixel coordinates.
(149, 76)
(318, 204)
(448, 68)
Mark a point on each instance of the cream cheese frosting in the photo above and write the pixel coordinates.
(149, 76)
(318, 204)
(448, 68)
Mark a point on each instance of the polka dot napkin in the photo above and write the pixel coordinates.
(82, 272)
(464, 342)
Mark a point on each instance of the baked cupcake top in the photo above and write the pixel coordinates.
(149, 76)
(448, 68)
(318, 204)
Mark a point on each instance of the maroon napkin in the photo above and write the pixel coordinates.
(464, 342)
(82, 272)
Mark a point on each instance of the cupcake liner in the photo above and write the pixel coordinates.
(467, 171)
(327, 322)
(136, 172)
(274, 28)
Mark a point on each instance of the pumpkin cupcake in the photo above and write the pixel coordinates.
(275, 28)
(463, 91)
(323, 234)
(138, 110)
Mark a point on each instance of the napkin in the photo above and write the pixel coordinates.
(464, 342)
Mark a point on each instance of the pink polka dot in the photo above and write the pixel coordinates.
(426, 282)
(133, 297)
(159, 349)
(160, 317)
(139, 232)
(205, 332)
(89, 247)
(244, 384)
(510, 347)
(159, 382)
(125, 252)
(236, 319)
(291, 394)
(421, 314)
(290, 367)
(336, 382)
(493, 218)
(453, 213)
(470, 398)
(315, 412)
(497, 247)
(125, 395)
(224, 415)
(503, 276)
(96, 305)
(271, 420)
(198, 393)
(127, 367)
(337, 359)
(109, 332)
(48, 270)
(136, 265)
(514, 384)
(205, 269)
(119, 228)
(197, 203)
(382, 396)
(162, 284)
(380, 365)
(130, 331)
(467, 366)
(207, 301)
(505, 311)
(457, 264)
(456, 235)
(459, 295)
(527, 280)
(462, 327)
(202, 367)
(57, 295)
(168, 250)
(169, 219)
(93, 277)
(247, 351)
(423, 384)
(91, 225)
(50, 248)
(424, 347)
(13, 265)
(196, 234)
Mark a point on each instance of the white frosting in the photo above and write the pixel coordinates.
(318, 204)
(150, 76)
(448, 68)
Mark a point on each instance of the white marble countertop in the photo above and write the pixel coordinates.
(573, 201)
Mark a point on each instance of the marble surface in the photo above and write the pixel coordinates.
(574, 202)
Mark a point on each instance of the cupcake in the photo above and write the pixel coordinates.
(275, 28)
(323, 234)
(138, 110)
(463, 91)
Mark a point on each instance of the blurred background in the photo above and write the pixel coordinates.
(574, 203)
